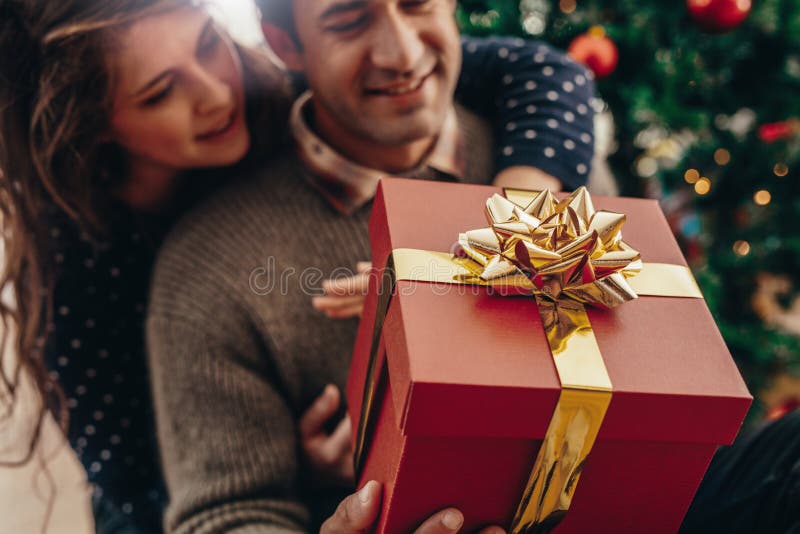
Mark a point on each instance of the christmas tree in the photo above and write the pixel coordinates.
(705, 97)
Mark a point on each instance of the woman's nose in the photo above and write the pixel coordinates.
(211, 91)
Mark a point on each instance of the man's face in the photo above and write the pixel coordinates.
(381, 70)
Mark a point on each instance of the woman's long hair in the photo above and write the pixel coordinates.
(55, 88)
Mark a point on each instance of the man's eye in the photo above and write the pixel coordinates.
(347, 24)
(161, 95)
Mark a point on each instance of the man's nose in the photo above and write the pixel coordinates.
(396, 44)
(211, 92)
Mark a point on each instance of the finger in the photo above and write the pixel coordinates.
(320, 411)
(356, 513)
(363, 266)
(345, 313)
(351, 285)
(494, 529)
(346, 430)
(332, 303)
(337, 447)
(444, 522)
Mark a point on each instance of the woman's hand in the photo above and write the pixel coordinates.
(521, 177)
(344, 297)
(358, 512)
(330, 455)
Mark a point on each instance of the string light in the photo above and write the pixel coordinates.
(762, 197)
(691, 176)
(780, 169)
(702, 186)
(646, 166)
(567, 6)
(722, 156)
(741, 248)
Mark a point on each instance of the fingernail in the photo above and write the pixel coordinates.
(452, 520)
(363, 495)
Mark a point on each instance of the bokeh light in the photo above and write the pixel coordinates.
(567, 6)
(722, 156)
(762, 197)
(741, 248)
(702, 186)
(691, 176)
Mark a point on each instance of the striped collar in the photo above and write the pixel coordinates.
(348, 185)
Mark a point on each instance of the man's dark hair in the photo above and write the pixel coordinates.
(279, 13)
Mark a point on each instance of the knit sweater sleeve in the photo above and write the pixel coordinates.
(539, 102)
(227, 435)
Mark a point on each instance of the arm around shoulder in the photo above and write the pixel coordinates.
(542, 112)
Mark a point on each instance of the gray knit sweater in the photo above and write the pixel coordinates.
(237, 353)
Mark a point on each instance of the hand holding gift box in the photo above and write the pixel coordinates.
(465, 392)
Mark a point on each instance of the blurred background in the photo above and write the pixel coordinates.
(700, 109)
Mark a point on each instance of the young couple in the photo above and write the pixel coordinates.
(116, 117)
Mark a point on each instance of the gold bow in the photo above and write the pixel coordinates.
(566, 249)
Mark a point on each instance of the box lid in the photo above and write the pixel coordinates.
(463, 362)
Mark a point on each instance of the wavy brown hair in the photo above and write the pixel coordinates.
(55, 88)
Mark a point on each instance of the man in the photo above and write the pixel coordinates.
(237, 352)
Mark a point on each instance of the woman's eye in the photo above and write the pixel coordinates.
(154, 99)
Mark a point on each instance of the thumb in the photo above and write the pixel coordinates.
(355, 513)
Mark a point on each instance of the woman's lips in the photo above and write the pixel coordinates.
(220, 132)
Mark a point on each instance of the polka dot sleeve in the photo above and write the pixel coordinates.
(540, 103)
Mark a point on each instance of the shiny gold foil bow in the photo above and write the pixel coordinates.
(566, 249)
(566, 254)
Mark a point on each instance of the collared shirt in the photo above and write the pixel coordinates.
(348, 185)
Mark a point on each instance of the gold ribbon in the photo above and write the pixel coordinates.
(566, 254)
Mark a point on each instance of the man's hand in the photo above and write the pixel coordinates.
(359, 511)
(344, 297)
(330, 456)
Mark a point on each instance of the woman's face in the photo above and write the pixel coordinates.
(178, 97)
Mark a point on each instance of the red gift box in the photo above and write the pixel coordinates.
(467, 384)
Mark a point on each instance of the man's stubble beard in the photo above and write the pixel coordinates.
(396, 130)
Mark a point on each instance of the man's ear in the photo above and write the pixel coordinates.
(283, 45)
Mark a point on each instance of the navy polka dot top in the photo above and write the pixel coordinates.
(541, 101)
(96, 352)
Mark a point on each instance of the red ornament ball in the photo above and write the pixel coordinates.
(596, 51)
(719, 16)
(775, 131)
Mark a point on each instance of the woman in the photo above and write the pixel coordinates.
(100, 151)
(92, 175)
